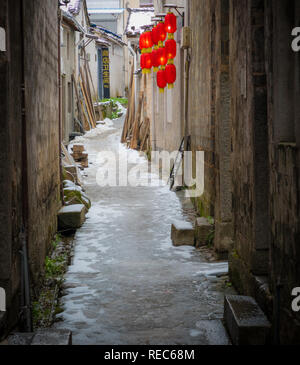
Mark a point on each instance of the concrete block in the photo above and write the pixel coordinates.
(202, 230)
(183, 234)
(71, 217)
(52, 337)
(245, 321)
(20, 339)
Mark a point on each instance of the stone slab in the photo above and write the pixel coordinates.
(52, 337)
(20, 339)
(182, 234)
(71, 217)
(245, 321)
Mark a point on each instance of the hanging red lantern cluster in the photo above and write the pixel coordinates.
(159, 52)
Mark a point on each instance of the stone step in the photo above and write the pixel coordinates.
(71, 217)
(245, 321)
(41, 337)
(52, 337)
(182, 234)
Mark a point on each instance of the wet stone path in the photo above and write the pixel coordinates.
(127, 284)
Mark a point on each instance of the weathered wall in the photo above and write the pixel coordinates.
(250, 138)
(10, 159)
(167, 112)
(41, 83)
(265, 117)
(29, 183)
(68, 63)
(283, 67)
(117, 87)
(209, 111)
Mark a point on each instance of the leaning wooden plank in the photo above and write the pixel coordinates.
(88, 98)
(89, 92)
(143, 144)
(87, 122)
(80, 112)
(136, 129)
(86, 104)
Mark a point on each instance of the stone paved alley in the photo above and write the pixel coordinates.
(128, 284)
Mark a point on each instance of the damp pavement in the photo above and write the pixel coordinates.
(127, 284)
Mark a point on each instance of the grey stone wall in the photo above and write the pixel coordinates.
(283, 67)
(264, 88)
(35, 203)
(209, 111)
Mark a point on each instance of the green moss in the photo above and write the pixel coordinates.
(75, 197)
(122, 101)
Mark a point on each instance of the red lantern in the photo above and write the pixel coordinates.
(155, 60)
(171, 49)
(161, 80)
(141, 42)
(146, 42)
(146, 62)
(162, 57)
(170, 23)
(162, 35)
(142, 62)
(170, 75)
(155, 36)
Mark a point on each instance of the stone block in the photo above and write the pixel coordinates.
(245, 321)
(202, 230)
(183, 234)
(20, 339)
(71, 217)
(53, 337)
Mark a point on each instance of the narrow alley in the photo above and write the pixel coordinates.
(127, 284)
(149, 173)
